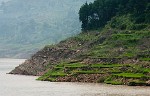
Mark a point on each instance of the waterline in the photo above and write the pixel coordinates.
(19, 85)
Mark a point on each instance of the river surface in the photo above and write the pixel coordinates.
(17, 85)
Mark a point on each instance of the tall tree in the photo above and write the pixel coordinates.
(83, 15)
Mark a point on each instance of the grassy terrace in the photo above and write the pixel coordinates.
(145, 59)
(75, 65)
(88, 72)
(105, 65)
(130, 75)
(123, 43)
(116, 73)
(70, 65)
(114, 82)
(146, 70)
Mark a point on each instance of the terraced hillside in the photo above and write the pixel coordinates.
(106, 55)
(117, 52)
(111, 56)
(116, 74)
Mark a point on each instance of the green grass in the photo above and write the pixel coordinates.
(114, 82)
(46, 79)
(112, 70)
(128, 54)
(59, 67)
(145, 59)
(56, 74)
(125, 37)
(86, 36)
(130, 75)
(105, 65)
(70, 65)
(110, 47)
(88, 72)
(75, 65)
(53, 73)
(146, 70)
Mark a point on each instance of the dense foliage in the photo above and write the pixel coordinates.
(98, 13)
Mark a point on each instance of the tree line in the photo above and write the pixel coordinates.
(95, 15)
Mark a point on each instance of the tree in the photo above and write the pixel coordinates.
(83, 15)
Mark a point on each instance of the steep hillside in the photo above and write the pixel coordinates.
(116, 53)
(28, 25)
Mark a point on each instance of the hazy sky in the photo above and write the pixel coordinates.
(4, 0)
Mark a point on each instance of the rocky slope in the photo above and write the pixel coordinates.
(51, 55)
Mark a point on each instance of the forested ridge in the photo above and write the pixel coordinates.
(98, 13)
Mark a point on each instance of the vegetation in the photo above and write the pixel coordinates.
(98, 13)
(118, 48)
(115, 73)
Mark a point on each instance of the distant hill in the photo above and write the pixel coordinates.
(28, 25)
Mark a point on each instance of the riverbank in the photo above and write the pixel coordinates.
(14, 85)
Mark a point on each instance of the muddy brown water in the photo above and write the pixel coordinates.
(18, 85)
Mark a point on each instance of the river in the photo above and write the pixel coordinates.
(18, 85)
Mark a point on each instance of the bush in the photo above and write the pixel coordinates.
(101, 80)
